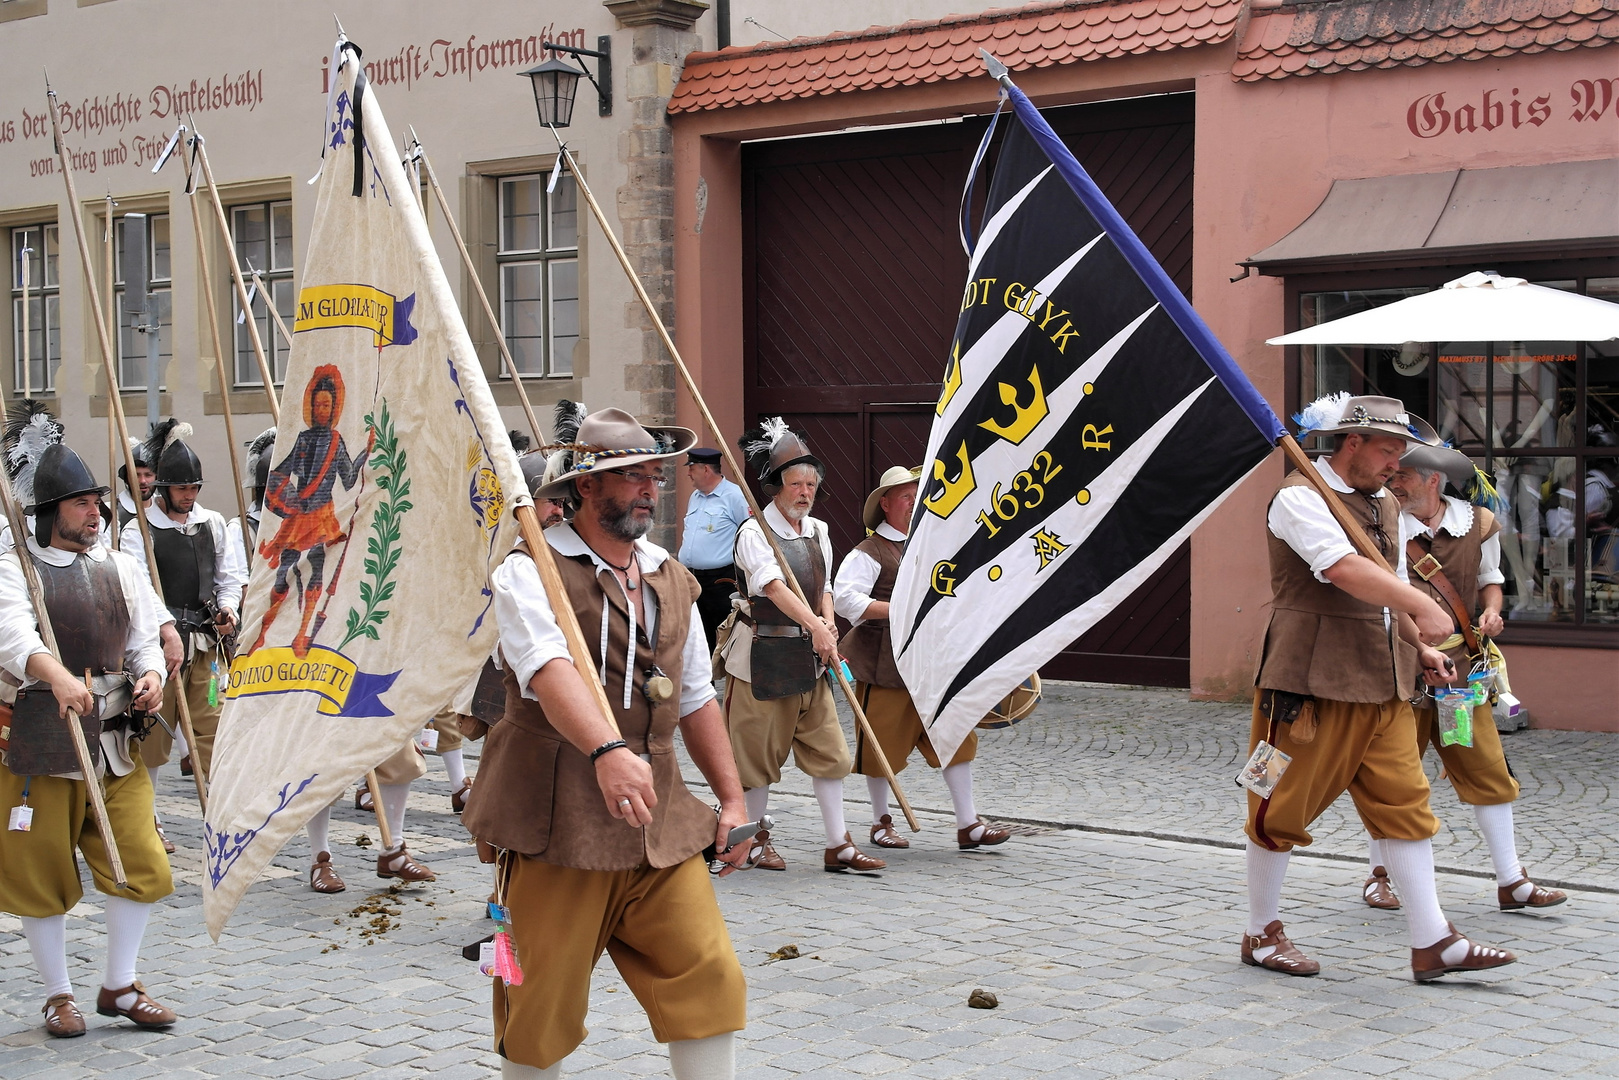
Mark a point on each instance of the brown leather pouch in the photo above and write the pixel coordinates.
(1295, 710)
(486, 852)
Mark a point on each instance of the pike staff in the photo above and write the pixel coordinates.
(115, 409)
(736, 470)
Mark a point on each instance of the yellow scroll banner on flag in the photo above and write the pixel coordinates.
(322, 307)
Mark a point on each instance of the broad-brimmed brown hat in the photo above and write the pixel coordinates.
(894, 476)
(610, 439)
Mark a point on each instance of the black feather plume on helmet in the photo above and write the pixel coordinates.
(566, 420)
(162, 434)
(520, 442)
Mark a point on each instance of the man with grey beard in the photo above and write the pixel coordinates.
(777, 699)
(599, 839)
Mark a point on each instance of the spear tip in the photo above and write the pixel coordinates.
(996, 69)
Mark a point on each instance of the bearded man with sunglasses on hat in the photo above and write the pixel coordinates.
(599, 839)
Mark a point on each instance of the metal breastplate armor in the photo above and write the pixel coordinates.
(185, 565)
(783, 662)
(85, 600)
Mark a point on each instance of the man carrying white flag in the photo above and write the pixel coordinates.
(364, 613)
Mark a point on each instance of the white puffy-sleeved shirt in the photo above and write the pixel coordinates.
(1299, 517)
(1457, 521)
(857, 575)
(227, 584)
(530, 637)
(19, 633)
(143, 578)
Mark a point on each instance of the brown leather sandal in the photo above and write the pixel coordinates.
(1287, 959)
(763, 856)
(401, 865)
(1429, 963)
(1537, 897)
(362, 798)
(144, 1012)
(884, 835)
(988, 837)
(168, 845)
(458, 797)
(1379, 891)
(323, 875)
(857, 860)
(63, 1020)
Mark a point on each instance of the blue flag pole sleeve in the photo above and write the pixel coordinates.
(1140, 259)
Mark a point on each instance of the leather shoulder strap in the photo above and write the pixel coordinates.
(1423, 563)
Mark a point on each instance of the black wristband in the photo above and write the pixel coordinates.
(607, 747)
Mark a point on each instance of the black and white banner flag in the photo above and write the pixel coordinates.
(1089, 421)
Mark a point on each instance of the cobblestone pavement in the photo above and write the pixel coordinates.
(1112, 953)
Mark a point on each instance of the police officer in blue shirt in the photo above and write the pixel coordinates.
(716, 510)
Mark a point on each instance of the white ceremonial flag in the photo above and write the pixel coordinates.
(390, 500)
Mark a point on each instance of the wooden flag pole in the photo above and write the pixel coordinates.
(483, 297)
(1357, 536)
(81, 749)
(220, 220)
(730, 459)
(115, 408)
(527, 521)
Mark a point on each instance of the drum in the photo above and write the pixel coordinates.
(1015, 706)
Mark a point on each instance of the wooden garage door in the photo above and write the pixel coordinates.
(852, 276)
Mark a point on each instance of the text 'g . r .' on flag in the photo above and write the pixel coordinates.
(1089, 421)
(390, 500)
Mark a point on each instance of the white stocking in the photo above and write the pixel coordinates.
(511, 1070)
(394, 797)
(1374, 854)
(126, 926)
(713, 1058)
(151, 770)
(1495, 822)
(758, 802)
(959, 779)
(47, 941)
(1266, 872)
(829, 794)
(319, 829)
(455, 766)
(877, 787)
(1410, 864)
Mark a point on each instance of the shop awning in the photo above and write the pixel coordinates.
(1564, 209)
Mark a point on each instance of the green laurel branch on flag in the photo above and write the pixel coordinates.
(382, 549)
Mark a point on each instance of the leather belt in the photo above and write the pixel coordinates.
(716, 572)
(770, 629)
(1423, 563)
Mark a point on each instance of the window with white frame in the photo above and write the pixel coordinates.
(132, 343)
(34, 273)
(263, 235)
(538, 258)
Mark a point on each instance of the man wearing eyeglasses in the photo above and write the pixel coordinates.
(714, 512)
(1341, 654)
(600, 840)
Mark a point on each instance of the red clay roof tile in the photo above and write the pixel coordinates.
(1039, 34)
(1354, 35)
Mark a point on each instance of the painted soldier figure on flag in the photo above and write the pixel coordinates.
(300, 492)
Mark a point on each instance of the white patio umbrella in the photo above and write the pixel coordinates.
(1483, 306)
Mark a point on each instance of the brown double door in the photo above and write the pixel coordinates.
(852, 277)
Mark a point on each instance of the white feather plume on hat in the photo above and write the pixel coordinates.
(30, 429)
(1323, 412)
